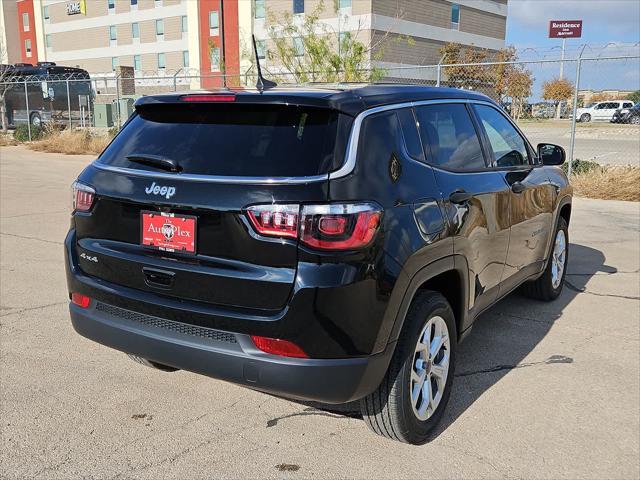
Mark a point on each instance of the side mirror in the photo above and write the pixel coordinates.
(551, 154)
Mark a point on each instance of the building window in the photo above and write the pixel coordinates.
(344, 4)
(137, 63)
(298, 46)
(113, 33)
(214, 23)
(45, 13)
(215, 59)
(47, 41)
(25, 22)
(114, 63)
(185, 59)
(261, 46)
(135, 30)
(185, 24)
(162, 61)
(157, 3)
(298, 6)
(455, 17)
(111, 6)
(344, 41)
(258, 8)
(160, 28)
(27, 47)
(134, 3)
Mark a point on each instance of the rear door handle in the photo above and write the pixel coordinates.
(518, 187)
(155, 277)
(460, 196)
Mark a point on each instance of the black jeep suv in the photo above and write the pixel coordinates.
(329, 245)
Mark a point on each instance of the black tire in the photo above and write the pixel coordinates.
(150, 364)
(35, 119)
(388, 410)
(542, 288)
(585, 117)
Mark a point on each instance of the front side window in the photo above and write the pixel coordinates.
(449, 137)
(298, 6)
(162, 60)
(509, 148)
(298, 46)
(25, 22)
(135, 30)
(113, 33)
(159, 27)
(258, 9)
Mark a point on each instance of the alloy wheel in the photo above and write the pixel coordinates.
(430, 368)
(558, 258)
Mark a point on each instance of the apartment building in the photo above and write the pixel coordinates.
(404, 32)
(9, 39)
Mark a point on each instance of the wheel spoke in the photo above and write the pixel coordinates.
(440, 370)
(436, 345)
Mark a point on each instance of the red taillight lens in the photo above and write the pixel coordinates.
(82, 197)
(324, 227)
(275, 346)
(80, 300)
(275, 220)
(217, 97)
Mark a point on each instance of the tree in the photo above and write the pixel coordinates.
(634, 97)
(557, 90)
(458, 71)
(311, 51)
(518, 83)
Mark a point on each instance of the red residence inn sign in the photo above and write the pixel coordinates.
(565, 28)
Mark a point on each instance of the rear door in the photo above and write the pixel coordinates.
(225, 154)
(477, 198)
(532, 194)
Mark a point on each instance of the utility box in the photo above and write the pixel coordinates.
(103, 115)
(126, 108)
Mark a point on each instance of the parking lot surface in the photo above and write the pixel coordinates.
(542, 390)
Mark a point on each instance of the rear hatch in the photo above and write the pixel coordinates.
(171, 193)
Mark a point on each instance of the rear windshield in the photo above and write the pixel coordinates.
(230, 140)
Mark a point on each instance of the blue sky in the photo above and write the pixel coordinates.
(609, 23)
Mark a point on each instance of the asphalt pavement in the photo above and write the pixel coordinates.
(542, 390)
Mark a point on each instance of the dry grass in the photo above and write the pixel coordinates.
(7, 140)
(609, 183)
(71, 142)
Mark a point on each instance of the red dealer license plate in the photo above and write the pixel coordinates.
(169, 232)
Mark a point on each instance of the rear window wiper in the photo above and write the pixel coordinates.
(155, 161)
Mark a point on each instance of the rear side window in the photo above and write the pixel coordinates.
(230, 140)
(449, 137)
(508, 146)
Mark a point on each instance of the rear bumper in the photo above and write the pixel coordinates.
(230, 356)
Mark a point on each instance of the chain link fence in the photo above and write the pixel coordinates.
(105, 101)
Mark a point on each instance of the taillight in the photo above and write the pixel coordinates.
(82, 197)
(324, 227)
(275, 346)
(80, 300)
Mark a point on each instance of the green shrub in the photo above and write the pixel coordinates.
(581, 166)
(22, 133)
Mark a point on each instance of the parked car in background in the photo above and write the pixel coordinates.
(601, 111)
(325, 245)
(627, 115)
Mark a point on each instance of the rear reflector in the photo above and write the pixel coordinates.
(323, 227)
(80, 300)
(275, 346)
(82, 197)
(218, 97)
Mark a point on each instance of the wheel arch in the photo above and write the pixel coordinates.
(448, 276)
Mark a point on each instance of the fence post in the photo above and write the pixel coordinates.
(439, 72)
(69, 105)
(575, 111)
(175, 81)
(118, 101)
(26, 99)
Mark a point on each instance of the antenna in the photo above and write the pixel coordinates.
(262, 84)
